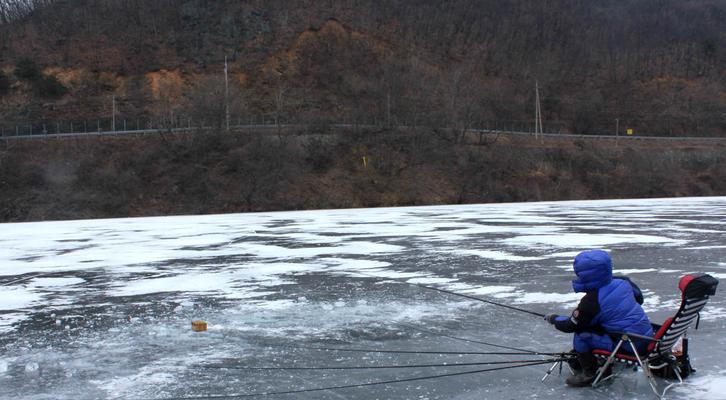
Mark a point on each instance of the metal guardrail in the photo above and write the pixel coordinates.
(601, 136)
(287, 126)
(133, 132)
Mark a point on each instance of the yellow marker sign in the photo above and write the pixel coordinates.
(629, 131)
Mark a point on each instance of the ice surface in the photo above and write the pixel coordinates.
(17, 298)
(635, 271)
(578, 240)
(539, 298)
(54, 282)
(710, 387)
(495, 255)
(484, 290)
(102, 308)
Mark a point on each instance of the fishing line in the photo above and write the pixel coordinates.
(25, 278)
(360, 350)
(420, 378)
(524, 351)
(443, 365)
(517, 364)
(466, 296)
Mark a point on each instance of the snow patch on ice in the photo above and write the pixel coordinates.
(388, 274)
(233, 283)
(17, 298)
(430, 280)
(366, 269)
(634, 271)
(709, 387)
(542, 298)
(564, 254)
(711, 313)
(292, 319)
(135, 245)
(494, 255)
(584, 240)
(354, 264)
(349, 248)
(55, 282)
(181, 283)
(275, 304)
(7, 321)
(487, 290)
(653, 302)
(151, 376)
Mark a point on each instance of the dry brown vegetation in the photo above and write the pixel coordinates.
(248, 171)
(656, 65)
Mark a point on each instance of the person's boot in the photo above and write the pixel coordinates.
(589, 364)
(573, 363)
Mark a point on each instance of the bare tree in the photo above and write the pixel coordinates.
(207, 104)
(462, 98)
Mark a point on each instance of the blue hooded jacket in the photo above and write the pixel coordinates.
(619, 310)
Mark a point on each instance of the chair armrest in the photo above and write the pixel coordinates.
(634, 335)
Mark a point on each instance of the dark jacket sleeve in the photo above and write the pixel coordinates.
(581, 318)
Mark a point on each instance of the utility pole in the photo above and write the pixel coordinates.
(226, 94)
(538, 130)
(113, 113)
(388, 108)
(617, 131)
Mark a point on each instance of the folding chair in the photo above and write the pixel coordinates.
(661, 359)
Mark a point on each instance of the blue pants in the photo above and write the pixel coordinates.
(584, 342)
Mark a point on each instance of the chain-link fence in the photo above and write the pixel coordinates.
(181, 123)
(127, 125)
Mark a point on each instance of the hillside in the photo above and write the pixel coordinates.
(201, 173)
(437, 68)
(655, 65)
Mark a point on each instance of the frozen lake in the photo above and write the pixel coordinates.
(101, 309)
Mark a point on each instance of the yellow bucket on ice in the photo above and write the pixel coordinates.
(199, 326)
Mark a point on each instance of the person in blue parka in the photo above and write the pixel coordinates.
(610, 304)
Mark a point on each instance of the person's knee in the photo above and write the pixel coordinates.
(582, 342)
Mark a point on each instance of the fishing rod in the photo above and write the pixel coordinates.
(466, 296)
(348, 367)
(387, 382)
(518, 352)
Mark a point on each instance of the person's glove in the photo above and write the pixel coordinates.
(550, 318)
